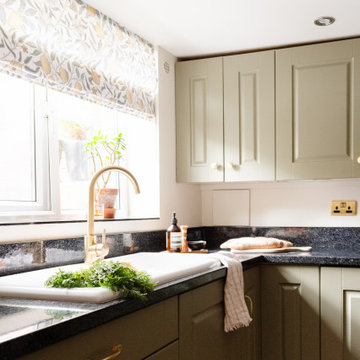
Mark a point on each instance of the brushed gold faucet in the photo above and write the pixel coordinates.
(94, 250)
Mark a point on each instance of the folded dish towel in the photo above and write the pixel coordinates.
(236, 311)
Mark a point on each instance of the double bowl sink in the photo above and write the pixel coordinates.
(162, 268)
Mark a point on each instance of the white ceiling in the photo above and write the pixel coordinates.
(190, 28)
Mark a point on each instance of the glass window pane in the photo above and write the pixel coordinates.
(77, 122)
(17, 145)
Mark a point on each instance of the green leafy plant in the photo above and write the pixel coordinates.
(105, 151)
(118, 277)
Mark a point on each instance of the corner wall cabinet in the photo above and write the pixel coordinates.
(317, 111)
(290, 312)
(340, 313)
(238, 115)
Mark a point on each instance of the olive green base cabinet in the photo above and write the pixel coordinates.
(249, 338)
(143, 334)
(340, 313)
(290, 312)
(201, 324)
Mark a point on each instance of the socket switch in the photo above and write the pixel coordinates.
(343, 207)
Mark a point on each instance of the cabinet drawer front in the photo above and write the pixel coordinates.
(140, 334)
(170, 352)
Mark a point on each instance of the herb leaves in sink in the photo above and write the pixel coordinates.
(117, 276)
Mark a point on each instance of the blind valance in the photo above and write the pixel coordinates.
(74, 48)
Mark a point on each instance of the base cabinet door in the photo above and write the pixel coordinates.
(340, 313)
(248, 342)
(290, 312)
(201, 324)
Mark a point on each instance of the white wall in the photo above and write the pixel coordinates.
(293, 203)
(184, 199)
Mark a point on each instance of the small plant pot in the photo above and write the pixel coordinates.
(109, 213)
(106, 198)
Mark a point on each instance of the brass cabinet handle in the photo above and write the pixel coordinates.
(215, 166)
(231, 165)
(116, 351)
(251, 304)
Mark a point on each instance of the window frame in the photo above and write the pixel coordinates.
(42, 201)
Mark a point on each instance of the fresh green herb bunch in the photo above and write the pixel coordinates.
(114, 275)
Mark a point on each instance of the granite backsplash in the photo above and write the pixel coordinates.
(20, 257)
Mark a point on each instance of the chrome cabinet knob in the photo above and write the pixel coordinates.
(358, 160)
(215, 166)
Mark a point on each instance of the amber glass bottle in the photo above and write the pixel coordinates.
(173, 236)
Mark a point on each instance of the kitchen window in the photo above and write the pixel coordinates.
(44, 170)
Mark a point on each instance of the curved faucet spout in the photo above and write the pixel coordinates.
(93, 250)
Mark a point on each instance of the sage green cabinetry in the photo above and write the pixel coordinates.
(227, 108)
(249, 338)
(199, 125)
(317, 111)
(249, 127)
(340, 313)
(290, 312)
(225, 118)
(151, 332)
(201, 323)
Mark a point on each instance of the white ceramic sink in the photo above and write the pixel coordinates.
(162, 268)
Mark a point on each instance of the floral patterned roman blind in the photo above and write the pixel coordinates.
(72, 47)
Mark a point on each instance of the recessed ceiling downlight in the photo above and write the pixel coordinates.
(324, 21)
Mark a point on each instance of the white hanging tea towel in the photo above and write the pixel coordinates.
(236, 311)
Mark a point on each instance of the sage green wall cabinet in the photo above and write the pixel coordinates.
(311, 96)
(199, 124)
(340, 313)
(317, 111)
(140, 334)
(245, 110)
(249, 124)
(290, 312)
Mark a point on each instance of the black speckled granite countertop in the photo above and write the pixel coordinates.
(316, 257)
(29, 325)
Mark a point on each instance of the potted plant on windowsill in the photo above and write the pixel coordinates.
(105, 151)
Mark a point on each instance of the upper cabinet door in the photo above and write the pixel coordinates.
(249, 126)
(199, 120)
(317, 111)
